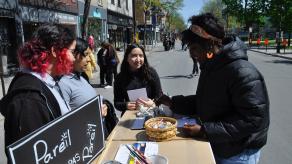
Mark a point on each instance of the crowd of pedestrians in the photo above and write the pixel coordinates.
(56, 68)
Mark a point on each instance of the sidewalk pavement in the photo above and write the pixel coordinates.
(273, 52)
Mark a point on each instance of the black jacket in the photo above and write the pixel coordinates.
(107, 59)
(124, 82)
(28, 105)
(231, 100)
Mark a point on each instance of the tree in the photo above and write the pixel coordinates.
(148, 4)
(178, 22)
(280, 14)
(84, 26)
(170, 7)
(215, 7)
(249, 12)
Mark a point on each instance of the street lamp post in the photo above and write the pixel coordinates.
(278, 38)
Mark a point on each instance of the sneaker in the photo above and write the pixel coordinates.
(108, 87)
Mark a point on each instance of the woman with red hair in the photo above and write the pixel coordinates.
(33, 97)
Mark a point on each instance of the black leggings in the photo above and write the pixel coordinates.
(106, 73)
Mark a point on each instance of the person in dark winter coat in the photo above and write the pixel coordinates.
(195, 70)
(135, 74)
(107, 63)
(231, 98)
(33, 99)
(77, 91)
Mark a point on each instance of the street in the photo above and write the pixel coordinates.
(174, 67)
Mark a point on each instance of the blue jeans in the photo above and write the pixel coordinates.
(248, 156)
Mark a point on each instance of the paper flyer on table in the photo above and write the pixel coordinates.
(123, 154)
(137, 93)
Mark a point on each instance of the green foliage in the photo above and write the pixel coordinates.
(151, 3)
(249, 12)
(215, 7)
(94, 28)
(280, 14)
(177, 22)
(171, 7)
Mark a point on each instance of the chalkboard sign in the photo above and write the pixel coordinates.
(76, 137)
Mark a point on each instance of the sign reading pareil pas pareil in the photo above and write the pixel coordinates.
(76, 137)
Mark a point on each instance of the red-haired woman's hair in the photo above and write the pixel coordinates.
(63, 65)
(34, 55)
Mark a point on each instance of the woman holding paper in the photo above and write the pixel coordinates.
(135, 74)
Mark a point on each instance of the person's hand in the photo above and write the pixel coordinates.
(147, 103)
(131, 105)
(165, 100)
(104, 109)
(193, 130)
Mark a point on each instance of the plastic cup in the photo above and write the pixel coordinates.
(111, 162)
(158, 159)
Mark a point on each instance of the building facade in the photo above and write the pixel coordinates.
(8, 35)
(151, 21)
(20, 18)
(120, 22)
(97, 20)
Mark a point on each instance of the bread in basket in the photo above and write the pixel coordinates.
(161, 128)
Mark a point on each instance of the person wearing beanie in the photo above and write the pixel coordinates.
(231, 99)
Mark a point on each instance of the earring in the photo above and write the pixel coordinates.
(210, 55)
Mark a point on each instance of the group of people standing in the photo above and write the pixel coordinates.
(231, 98)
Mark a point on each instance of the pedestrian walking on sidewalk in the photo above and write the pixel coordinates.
(135, 74)
(231, 99)
(33, 98)
(195, 70)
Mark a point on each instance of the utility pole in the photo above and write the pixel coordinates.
(134, 19)
(144, 37)
(278, 35)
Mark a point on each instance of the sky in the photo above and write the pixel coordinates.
(191, 7)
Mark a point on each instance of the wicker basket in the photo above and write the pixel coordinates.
(155, 133)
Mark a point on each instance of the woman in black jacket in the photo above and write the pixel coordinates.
(135, 74)
(231, 99)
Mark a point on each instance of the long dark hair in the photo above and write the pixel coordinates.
(81, 46)
(144, 71)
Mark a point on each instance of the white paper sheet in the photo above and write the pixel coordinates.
(123, 153)
(137, 93)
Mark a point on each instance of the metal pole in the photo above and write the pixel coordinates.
(144, 39)
(1, 75)
(134, 19)
(3, 85)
